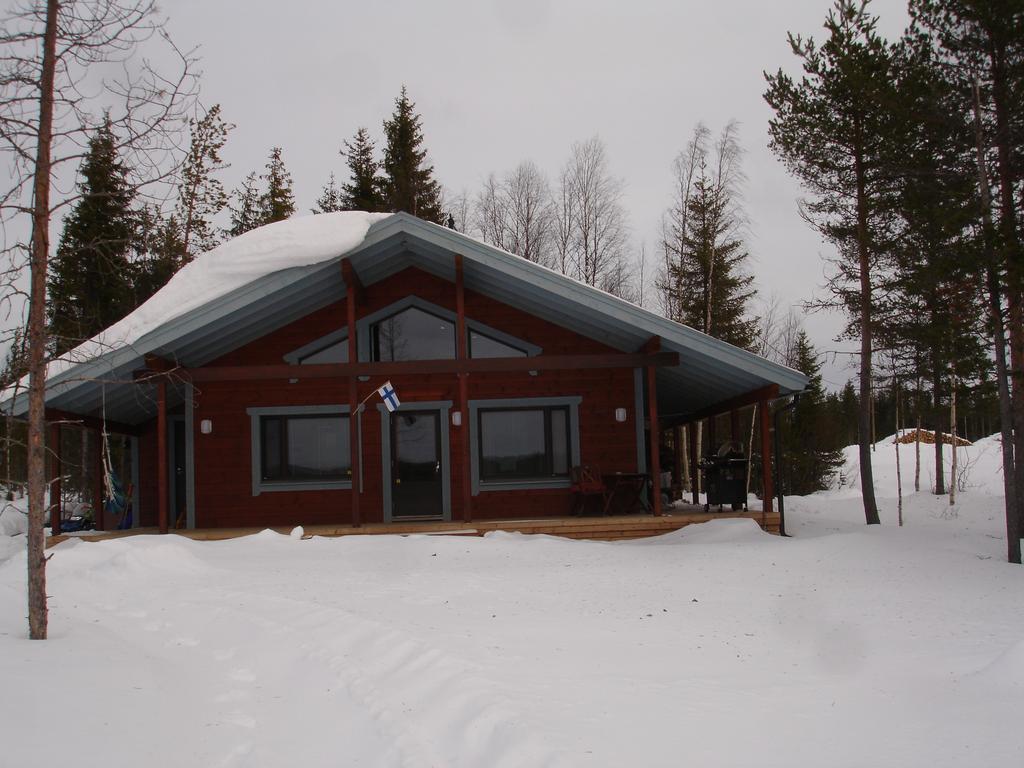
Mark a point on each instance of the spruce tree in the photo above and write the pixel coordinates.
(162, 252)
(713, 291)
(330, 199)
(201, 195)
(246, 214)
(810, 456)
(365, 188)
(409, 183)
(90, 285)
(277, 202)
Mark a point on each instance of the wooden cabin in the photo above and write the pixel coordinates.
(261, 406)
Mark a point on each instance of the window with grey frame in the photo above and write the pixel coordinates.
(482, 345)
(413, 334)
(336, 352)
(529, 443)
(297, 448)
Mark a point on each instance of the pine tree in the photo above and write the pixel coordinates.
(330, 199)
(810, 457)
(90, 286)
(980, 48)
(277, 202)
(365, 188)
(246, 214)
(201, 195)
(409, 183)
(833, 129)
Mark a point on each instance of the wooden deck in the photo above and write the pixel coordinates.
(611, 528)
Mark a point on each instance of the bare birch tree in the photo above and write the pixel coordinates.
(516, 213)
(50, 100)
(675, 221)
(591, 227)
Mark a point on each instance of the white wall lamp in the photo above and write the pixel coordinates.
(457, 418)
(620, 415)
(206, 426)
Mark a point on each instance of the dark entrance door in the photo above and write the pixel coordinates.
(178, 470)
(416, 471)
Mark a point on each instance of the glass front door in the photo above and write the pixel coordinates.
(416, 465)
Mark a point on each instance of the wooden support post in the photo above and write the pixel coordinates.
(56, 474)
(463, 354)
(351, 296)
(652, 414)
(766, 456)
(694, 466)
(98, 473)
(161, 454)
(677, 468)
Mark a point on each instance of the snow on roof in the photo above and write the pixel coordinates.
(295, 242)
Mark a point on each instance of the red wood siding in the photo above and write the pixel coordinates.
(222, 459)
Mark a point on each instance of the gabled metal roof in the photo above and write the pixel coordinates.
(710, 371)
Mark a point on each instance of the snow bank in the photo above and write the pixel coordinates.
(979, 467)
(698, 647)
(13, 520)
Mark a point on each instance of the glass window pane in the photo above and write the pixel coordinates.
(305, 448)
(512, 444)
(485, 346)
(413, 334)
(271, 448)
(333, 353)
(318, 447)
(560, 441)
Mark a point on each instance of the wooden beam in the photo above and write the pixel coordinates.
(159, 364)
(655, 434)
(56, 475)
(352, 282)
(766, 456)
(463, 355)
(98, 471)
(352, 291)
(691, 431)
(677, 464)
(422, 367)
(769, 392)
(54, 415)
(161, 455)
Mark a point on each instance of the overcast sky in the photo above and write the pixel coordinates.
(500, 81)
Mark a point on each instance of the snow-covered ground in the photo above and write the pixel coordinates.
(714, 646)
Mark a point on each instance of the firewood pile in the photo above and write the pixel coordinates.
(928, 436)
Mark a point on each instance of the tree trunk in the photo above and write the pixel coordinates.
(952, 435)
(917, 442)
(37, 612)
(1014, 269)
(899, 478)
(940, 475)
(995, 311)
(867, 480)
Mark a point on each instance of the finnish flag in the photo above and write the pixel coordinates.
(387, 394)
